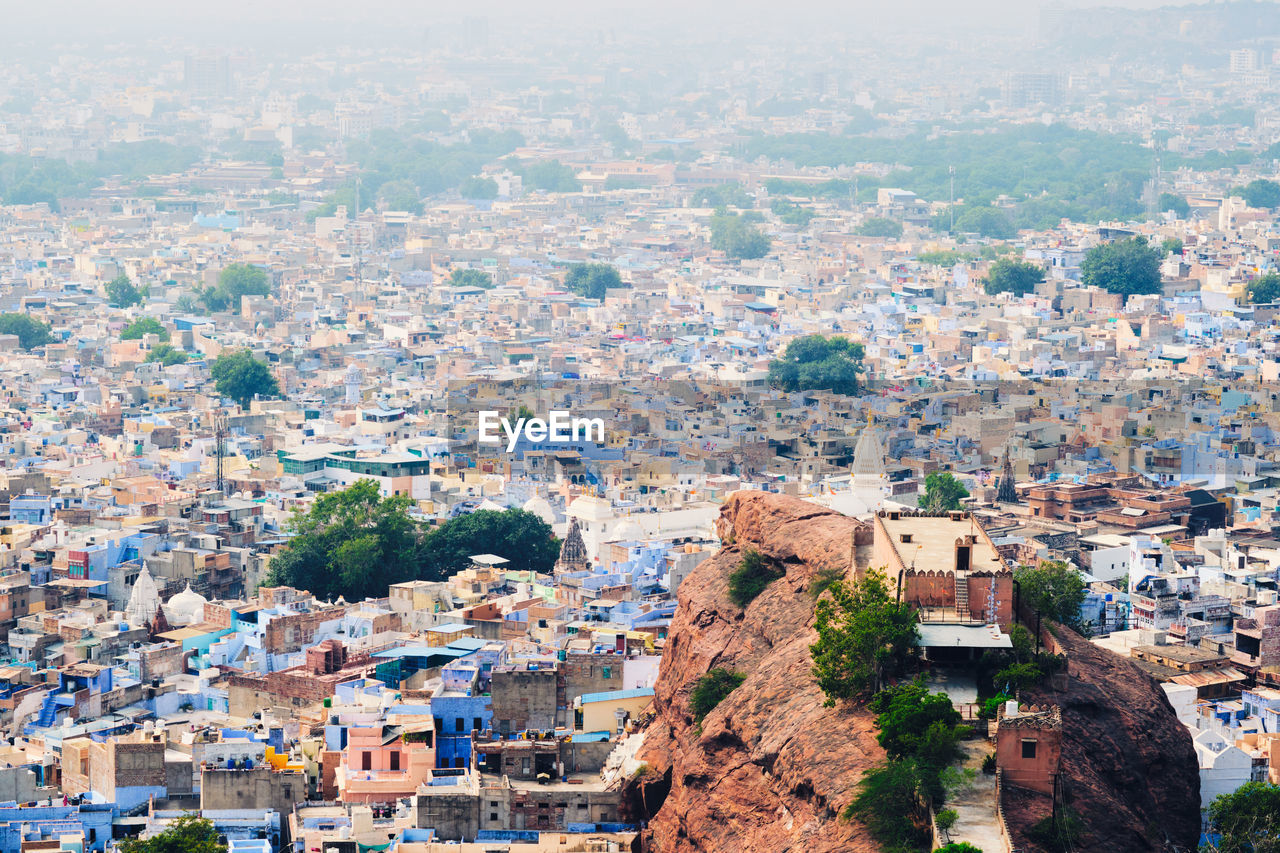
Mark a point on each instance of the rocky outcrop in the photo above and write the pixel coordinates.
(1128, 768)
(770, 767)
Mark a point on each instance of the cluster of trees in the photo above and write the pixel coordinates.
(1174, 202)
(31, 180)
(468, 277)
(242, 377)
(723, 195)
(355, 542)
(880, 226)
(981, 219)
(791, 214)
(235, 282)
(920, 733)
(1054, 172)
(592, 280)
(479, 188)
(942, 492)
(31, 332)
(548, 175)
(1246, 820)
(1259, 193)
(1009, 276)
(733, 234)
(865, 635)
(816, 362)
(1127, 267)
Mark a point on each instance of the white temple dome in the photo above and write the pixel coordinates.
(541, 507)
(185, 608)
(626, 530)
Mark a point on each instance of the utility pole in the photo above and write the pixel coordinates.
(951, 207)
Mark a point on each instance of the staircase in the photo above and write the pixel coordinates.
(962, 595)
(48, 711)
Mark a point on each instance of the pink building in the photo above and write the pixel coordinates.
(386, 762)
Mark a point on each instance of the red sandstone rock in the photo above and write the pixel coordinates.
(772, 768)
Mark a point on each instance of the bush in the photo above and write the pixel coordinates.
(711, 689)
(958, 847)
(822, 581)
(1059, 835)
(752, 577)
(989, 764)
(991, 707)
(889, 804)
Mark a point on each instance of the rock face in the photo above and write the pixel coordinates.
(1128, 767)
(771, 768)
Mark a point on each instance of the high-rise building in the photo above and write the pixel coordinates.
(1028, 89)
(1244, 59)
(207, 74)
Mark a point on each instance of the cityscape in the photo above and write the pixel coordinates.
(573, 429)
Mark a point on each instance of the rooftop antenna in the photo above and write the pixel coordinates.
(219, 448)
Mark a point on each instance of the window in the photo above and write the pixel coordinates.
(458, 724)
(493, 816)
(1028, 749)
(475, 724)
(395, 761)
(459, 762)
(524, 767)
(366, 761)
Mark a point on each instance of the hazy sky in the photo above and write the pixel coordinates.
(63, 21)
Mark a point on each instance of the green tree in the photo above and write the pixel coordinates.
(941, 258)
(1018, 676)
(891, 805)
(752, 577)
(120, 291)
(711, 689)
(592, 280)
(731, 234)
(189, 833)
(1126, 267)
(1009, 276)
(958, 846)
(1176, 203)
(234, 282)
(791, 214)
(880, 226)
(401, 195)
(1259, 193)
(353, 542)
(242, 377)
(144, 326)
(1171, 246)
(1264, 289)
(942, 492)
(723, 195)
(1248, 820)
(905, 715)
(986, 221)
(552, 176)
(31, 332)
(522, 537)
(816, 362)
(1053, 589)
(479, 188)
(468, 277)
(864, 635)
(167, 355)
